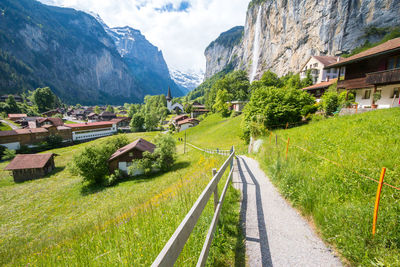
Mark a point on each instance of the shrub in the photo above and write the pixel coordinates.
(113, 178)
(8, 154)
(274, 107)
(330, 102)
(92, 163)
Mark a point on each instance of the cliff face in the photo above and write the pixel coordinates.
(71, 52)
(144, 60)
(282, 35)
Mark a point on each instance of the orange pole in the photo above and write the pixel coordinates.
(287, 147)
(287, 125)
(270, 135)
(378, 197)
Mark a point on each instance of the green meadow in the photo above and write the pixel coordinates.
(338, 198)
(59, 220)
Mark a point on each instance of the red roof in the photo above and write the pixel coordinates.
(54, 121)
(180, 117)
(139, 144)
(320, 85)
(29, 161)
(119, 119)
(189, 120)
(327, 60)
(17, 115)
(34, 130)
(8, 133)
(87, 124)
(389, 46)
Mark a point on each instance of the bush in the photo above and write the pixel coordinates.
(8, 154)
(92, 163)
(330, 102)
(113, 178)
(274, 107)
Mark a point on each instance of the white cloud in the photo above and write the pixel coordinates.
(182, 36)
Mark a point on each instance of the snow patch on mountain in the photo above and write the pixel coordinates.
(187, 80)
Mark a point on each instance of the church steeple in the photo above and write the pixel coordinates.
(169, 98)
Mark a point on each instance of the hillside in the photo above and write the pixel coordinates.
(62, 221)
(70, 51)
(338, 195)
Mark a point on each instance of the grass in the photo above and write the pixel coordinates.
(70, 122)
(216, 132)
(5, 127)
(341, 202)
(60, 221)
(10, 121)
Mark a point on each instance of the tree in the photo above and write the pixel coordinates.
(273, 107)
(330, 102)
(308, 81)
(151, 121)
(137, 123)
(222, 102)
(110, 109)
(44, 99)
(97, 110)
(11, 105)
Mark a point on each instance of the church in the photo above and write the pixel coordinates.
(172, 107)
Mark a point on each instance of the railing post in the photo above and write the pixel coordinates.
(214, 172)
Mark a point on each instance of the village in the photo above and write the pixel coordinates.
(372, 76)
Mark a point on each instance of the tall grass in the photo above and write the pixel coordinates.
(216, 132)
(341, 202)
(60, 221)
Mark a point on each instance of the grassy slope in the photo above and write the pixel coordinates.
(216, 132)
(5, 127)
(340, 202)
(59, 220)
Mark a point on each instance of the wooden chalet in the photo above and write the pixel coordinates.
(124, 157)
(15, 117)
(376, 70)
(31, 166)
(107, 116)
(317, 90)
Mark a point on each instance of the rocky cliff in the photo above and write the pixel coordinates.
(71, 52)
(282, 34)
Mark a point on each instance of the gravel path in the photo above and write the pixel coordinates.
(276, 235)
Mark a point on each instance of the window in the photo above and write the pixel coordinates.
(395, 93)
(393, 63)
(130, 154)
(315, 65)
(367, 94)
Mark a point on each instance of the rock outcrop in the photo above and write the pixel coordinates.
(293, 30)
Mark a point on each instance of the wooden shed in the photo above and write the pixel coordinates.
(26, 167)
(124, 156)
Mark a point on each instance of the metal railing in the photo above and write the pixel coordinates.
(174, 246)
(212, 151)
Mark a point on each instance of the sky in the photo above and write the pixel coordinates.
(182, 29)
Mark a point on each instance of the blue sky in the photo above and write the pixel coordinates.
(181, 29)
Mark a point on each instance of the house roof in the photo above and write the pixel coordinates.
(320, 85)
(189, 120)
(92, 114)
(107, 113)
(387, 47)
(119, 119)
(8, 133)
(177, 118)
(139, 144)
(29, 161)
(17, 115)
(34, 130)
(327, 60)
(63, 128)
(52, 111)
(54, 121)
(87, 124)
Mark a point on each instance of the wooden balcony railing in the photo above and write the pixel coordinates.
(383, 77)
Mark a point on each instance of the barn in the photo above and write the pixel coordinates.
(26, 167)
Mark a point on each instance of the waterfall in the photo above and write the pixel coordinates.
(256, 47)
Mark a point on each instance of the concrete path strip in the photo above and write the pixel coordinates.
(275, 234)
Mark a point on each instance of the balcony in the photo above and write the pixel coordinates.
(357, 83)
(384, 77)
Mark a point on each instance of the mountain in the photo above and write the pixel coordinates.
(71, 52)
(144, 60)
(187, 81)
(282, 35)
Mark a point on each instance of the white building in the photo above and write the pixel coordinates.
(172, 107)
(87, 131)
(317, 64)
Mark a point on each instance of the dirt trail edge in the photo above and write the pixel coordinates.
(275, 234)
